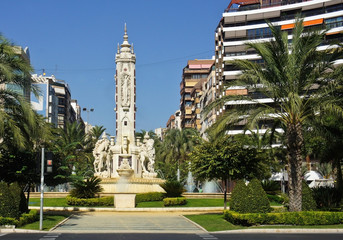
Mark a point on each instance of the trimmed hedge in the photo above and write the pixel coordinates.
(174, 201)
(289, 218)
(149, 197)
(275, 198)
(12, 200)
(24, 219)
(90, 202)
(308, 202)
(249, 199)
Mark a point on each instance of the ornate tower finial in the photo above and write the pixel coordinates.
(132, 48)
(118, 50)
(125, 46)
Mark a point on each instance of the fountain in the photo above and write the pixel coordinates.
(124, 163)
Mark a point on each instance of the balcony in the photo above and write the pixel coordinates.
(249, 5)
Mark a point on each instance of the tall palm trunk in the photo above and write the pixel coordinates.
(294, 156)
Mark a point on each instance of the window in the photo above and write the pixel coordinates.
(188, 103)
(61, 101)
(259, 33)
(61, 110)
(334, 22)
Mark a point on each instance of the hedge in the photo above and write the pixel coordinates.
(288, 218)
(90, 202)
(174, 201)
(24, 219)
(149, 197)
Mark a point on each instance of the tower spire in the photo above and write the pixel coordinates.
(125, 46)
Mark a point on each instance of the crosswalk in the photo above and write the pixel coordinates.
(50, 236)
(207, 236)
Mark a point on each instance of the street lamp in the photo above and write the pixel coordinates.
(87, 110)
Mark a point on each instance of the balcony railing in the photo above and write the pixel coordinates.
(264, 5)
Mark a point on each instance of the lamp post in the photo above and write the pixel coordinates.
(87, 110)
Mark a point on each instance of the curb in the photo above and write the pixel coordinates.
(290, 230)
(61, 223)
(87, 209)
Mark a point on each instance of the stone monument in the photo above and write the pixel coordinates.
(125, 160)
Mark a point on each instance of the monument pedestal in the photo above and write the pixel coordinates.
(134, 185)
(124, 200)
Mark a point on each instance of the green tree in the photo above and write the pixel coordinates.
(173, 152)
(292, 75)
(73, 151)
(224, 159)
(15, 71)
(96, 132)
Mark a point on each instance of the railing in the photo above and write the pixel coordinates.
(265, 5)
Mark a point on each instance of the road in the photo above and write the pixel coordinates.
(166, 236)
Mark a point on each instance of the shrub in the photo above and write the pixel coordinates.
(271, 187)
(249, 199)
(258, 200)
(12, 201)
(87, 188)
(290, 218)
(19, 197)
(27, 218)
(308, 203)
(90, 202)
(149, 197)
(275, 198)
(173, 188)
(239, 195)
(174, 201)
(326, 197)
(24, 219)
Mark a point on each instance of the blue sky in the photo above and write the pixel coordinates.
(76, 40)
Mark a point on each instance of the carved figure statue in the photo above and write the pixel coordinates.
(125, 90)
(147, 153)
(102, 157)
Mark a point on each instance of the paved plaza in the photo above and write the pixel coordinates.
(129, 222)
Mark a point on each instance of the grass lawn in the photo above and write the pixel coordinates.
(213, 222)
(216, 222)
(190, 203)
(49, 202)
(50, 220)
(215, 202)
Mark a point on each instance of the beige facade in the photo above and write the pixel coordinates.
(194, 75)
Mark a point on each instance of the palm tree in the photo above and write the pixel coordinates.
(15, 70)
(96, 132)
(176, 145)
(294, 76)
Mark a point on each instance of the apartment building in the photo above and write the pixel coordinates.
(245, 21)
(55, 101)
(208, 95)
(194, 75)
(25, 54)
(174, 121)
